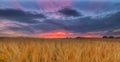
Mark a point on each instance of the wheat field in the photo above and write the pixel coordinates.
(59, 50)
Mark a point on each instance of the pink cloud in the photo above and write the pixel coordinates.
(53, 5)
(16, 4)
(5, 31)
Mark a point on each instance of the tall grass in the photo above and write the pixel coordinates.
(59, 50)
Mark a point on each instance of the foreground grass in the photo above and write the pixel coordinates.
(59, 50)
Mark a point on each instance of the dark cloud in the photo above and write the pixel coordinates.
(20, 16)
(89, 24)
(117, 33)
(46, 26)
(110, 6)
(109, 23)
(69, 12)
(22, 29)
(81, 25)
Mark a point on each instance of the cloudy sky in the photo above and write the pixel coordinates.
(59, 18)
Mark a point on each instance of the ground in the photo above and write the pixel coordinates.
(59, 50)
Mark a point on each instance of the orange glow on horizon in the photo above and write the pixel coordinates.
(55, 34)
(91, 36)
(66, 34)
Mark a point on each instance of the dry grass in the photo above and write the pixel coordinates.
(59, 50)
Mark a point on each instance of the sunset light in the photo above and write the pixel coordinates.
(55, 34)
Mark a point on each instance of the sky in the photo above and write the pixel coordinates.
(59, 18)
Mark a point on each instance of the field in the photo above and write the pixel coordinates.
(59, 50)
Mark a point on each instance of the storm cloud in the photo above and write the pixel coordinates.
(80, 25)
(19, 15)
(69, 12)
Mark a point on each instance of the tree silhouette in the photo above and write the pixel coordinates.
(111, 36)
(78, 37)
(105, 37)
(108, 37)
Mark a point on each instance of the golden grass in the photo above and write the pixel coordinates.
(59, 50)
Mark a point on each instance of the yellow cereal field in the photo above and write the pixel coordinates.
(59, 50)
